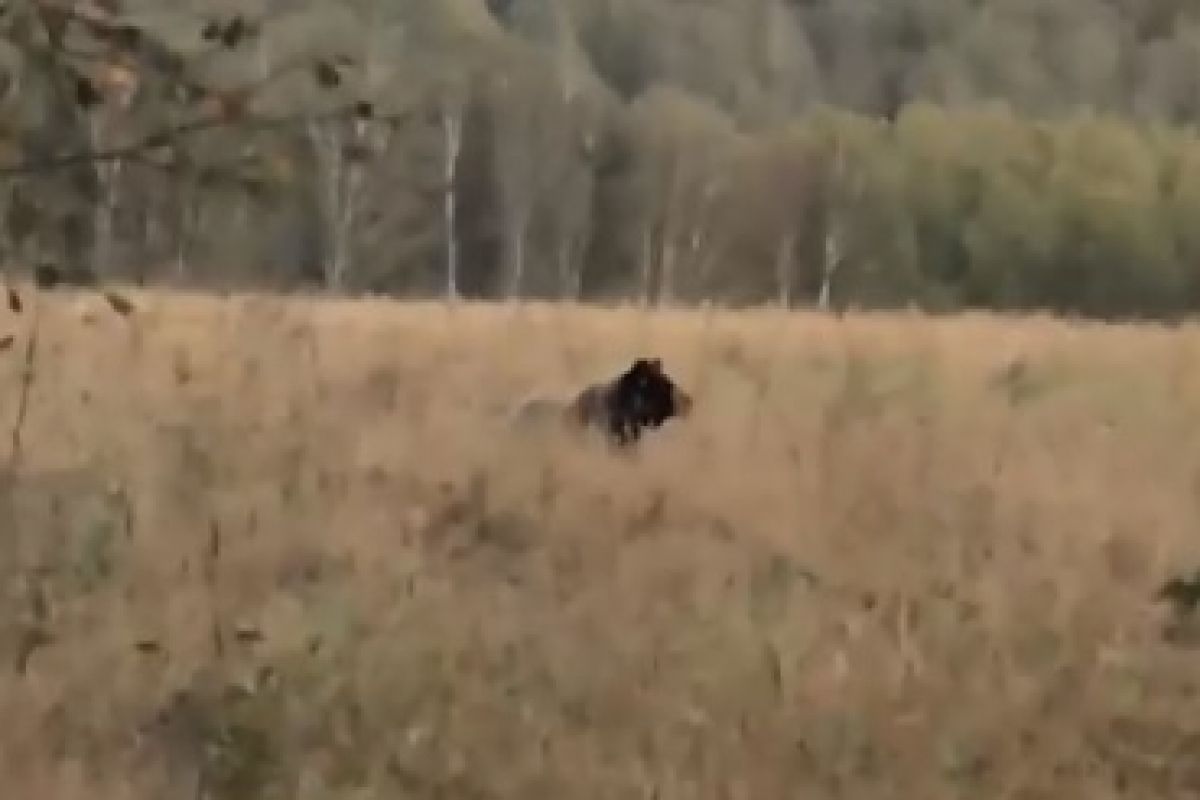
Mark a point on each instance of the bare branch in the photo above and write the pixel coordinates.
(141, 147)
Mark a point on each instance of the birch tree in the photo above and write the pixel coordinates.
(773, 207)
(343, 147)
(449, 45)
(115, 88)
(450, 94)
(452, 110)
(529, 122)
(571, 158)
(684, 148)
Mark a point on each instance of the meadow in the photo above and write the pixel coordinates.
(264, 547)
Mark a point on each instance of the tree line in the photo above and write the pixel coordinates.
(943, 153)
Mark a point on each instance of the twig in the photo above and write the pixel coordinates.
(27, 377)
(211, 563)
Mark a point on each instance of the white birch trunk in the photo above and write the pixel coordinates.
(647, 262)
(327, 146)
(182, 234)
(187, 222)
(570, 267)
(707, 248)
(517, 231)
(341, 181)
(108, 174)
(666, 277)
(829, 268)
(564, 268)
(347, 217)
(452, 138)
(785, 256)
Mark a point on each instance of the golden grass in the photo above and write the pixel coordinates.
(292, 548)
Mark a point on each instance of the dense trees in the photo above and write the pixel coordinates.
(948, 153)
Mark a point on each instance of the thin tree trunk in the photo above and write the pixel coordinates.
(832, 256)
(327, 146)
(829, 267)
(570, 268)
(697, 247)
(517, 228)
(452, 136)
(785, 256)
(352, 192)
(674, 224)
(187, 222)
(647, 260)
(104, 209)
(341, 180)
(181, 257)
(666, 278)
(564, 268)
(577, 280)
(519, 264)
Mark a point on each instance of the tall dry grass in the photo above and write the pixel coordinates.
(268, 548)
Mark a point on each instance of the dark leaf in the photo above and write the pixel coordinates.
(118, 303)
(46, 276)
(363, 109)
(14, 301)
(147, 646)
(127, 36)
(327, 75)
(1184, 593)
(212, 30)
(234, 32)
(6, 343)
(86, 95)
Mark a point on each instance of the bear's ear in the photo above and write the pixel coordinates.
(642, 365)
(655, 364)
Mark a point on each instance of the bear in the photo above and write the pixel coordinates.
(622, 408)
(642, 397)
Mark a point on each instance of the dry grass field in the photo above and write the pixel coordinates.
(267, 548)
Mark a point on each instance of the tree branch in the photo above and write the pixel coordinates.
(166, 136)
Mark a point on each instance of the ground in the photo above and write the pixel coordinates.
(295, 548)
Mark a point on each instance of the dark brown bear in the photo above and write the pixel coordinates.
(642, 397)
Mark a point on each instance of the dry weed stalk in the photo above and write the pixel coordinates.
(28, 376)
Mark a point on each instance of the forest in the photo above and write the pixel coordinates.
(938, 154)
